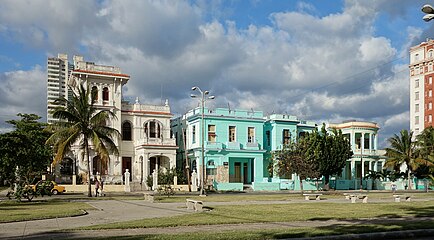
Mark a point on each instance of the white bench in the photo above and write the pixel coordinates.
(398, 198)
(149, 197)
(307, 196)
(354, 197)
(194, 205)
(347, 195)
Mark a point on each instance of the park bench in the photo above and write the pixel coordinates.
(398, 198)
(354, 197)
(194, 205)
(149, 196)
(307, 196)
(347, 195)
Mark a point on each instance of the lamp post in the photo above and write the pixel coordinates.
(202, 97)
(429, 11)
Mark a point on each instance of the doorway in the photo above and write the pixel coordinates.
(126, 164)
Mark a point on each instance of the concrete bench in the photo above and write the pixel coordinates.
(307, 196)
(347, 195)
(354, 197)
(398, 198)
(149, 197)
(194, 205)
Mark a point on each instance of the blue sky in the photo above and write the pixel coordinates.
(325, 61)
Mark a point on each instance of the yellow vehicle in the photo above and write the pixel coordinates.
(51, 186)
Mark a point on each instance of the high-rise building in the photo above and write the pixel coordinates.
(421, 86)
(58, 69)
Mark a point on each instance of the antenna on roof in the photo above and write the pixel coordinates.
(229, 107)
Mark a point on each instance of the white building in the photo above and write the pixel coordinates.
(58, 69)
(146, 143)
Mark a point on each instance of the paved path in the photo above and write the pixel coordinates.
(110, 211)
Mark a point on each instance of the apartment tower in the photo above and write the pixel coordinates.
(58, 69)
(421, 86)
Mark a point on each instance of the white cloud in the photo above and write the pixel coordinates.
(22, 92)
(333, 67)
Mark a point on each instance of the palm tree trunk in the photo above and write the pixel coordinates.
(409, 180)
(89, 185)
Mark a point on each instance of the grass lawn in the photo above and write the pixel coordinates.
(283, 213)
(237, 197)
(11, 211)
(280, 233)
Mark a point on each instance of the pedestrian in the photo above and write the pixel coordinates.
(393, 187)
(102, 194)
(96, 187)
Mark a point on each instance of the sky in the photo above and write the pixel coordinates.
(324, 61)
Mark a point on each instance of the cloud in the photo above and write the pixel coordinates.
(23, 92)
(332, 67)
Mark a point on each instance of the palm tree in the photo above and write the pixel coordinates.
(81, 122)
(402, 150)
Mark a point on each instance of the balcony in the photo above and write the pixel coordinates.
(156, 141)
(214, 145)
(252, 146)
(233, 145)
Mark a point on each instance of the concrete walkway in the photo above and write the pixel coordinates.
(110, 211)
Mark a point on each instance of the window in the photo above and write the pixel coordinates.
(126, 131)
(430, 80)
(232, 134)
(416, 83)
(94, 93)
(416, 96)
(416, 120)
(286, 136)
(430, 68)
(430, 105)
(430, 93)
(268, 135)
(416, 57)
(153, 129)
(193, 134)
(416, 107)
(211, 171)
(430, 118)
(250, 134)
(416, 70)
(211, 133)
(430, 53)
(105, 94)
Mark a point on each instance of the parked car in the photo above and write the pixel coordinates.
(50, 186)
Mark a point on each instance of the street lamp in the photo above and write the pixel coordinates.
(429, 10)
(202, 97)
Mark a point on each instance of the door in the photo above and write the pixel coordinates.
(126, 164)
(245, 173)
(237, 172)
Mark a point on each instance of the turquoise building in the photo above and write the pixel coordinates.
(279, 130)
(237, 146)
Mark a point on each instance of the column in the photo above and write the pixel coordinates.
(362, 165)
(353, 173)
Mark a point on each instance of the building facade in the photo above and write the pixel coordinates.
(421, 86)
(237, 146)
(145, 144)
(363, 137)
(58, 70)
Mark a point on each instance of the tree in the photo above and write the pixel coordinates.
(402, 150)
(23, 153)
(295, 157)
(332, 152)
(425, 153)
(81, 122)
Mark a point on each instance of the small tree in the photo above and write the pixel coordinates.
(332, 152)
(23, 153)
(296, 157)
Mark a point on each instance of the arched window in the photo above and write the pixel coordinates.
(126, 131)
(105, 94)
(153, 129)
(94, 93)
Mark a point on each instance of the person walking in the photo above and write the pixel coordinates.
(96, 187)
(102, 194)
